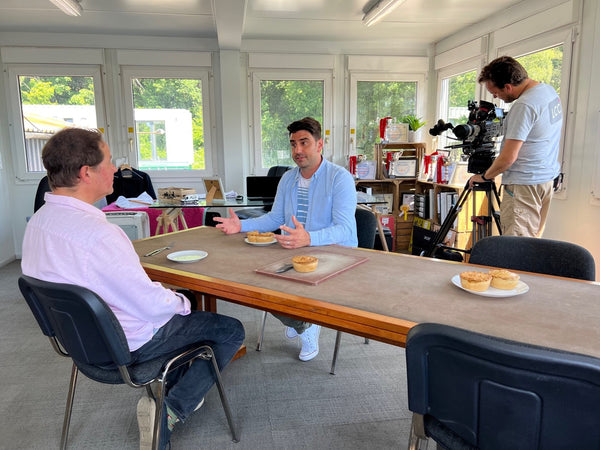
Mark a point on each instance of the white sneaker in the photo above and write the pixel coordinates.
(310, 343)
(146, 412)
(290, 333)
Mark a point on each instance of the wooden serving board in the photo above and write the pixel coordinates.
(330, 264)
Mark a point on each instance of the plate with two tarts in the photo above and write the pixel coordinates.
(521, 288)
(187, 256)
(260, 243)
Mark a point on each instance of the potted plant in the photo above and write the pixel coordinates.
(414, 123)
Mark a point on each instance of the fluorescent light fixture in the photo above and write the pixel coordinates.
(69, 7)
(379, 11)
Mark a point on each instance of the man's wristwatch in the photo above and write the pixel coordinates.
(484, 178)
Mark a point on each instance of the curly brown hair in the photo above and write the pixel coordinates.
(502, 71)
(68, 151)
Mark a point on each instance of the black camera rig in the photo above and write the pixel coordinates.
(478, 135)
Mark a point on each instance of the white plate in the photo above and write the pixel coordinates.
(187, 256)
(493, 292)
(260, 243)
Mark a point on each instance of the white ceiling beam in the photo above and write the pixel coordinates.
(229, 20)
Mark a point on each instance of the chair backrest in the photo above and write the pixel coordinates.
(80, 320)
(545, 256)
(277, 171)
(366, 227)
(43, 187)
(499, 394)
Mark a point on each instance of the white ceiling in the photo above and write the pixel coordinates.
(415, 23)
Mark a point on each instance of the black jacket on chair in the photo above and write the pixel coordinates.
(130, 183)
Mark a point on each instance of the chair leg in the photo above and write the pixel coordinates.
(417, 438)
(336, 348)
(224, 401)
(159, 399)
(262, 332)
(69, 408)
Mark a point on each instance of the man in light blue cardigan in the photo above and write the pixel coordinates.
(314, 205)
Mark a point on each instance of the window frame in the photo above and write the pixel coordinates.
(200, 73)
(256, 77)
(17, 134)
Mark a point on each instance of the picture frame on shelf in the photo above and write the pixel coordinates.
(365, 170)
(460, 175)
(408, 198)
(403, 167)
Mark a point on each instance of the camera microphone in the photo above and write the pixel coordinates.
(440, 127)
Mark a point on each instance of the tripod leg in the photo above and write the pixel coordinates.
(450, 218)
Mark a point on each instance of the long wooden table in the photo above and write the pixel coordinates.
(383, 297)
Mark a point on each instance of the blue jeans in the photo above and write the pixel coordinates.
(224, 334)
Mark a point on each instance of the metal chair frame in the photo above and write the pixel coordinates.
(35, 291)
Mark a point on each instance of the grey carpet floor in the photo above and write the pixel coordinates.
(278, 401)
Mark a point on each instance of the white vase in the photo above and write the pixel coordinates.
(414, 136)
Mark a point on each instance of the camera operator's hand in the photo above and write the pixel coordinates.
(477, 179)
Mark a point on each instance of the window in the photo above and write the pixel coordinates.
(280, 99)
(49, 99)
(375, 96)
(376, 100)
(547, 58)
(168, 120)
(456, 92)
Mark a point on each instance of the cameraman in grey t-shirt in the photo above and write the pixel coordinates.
(528, 159)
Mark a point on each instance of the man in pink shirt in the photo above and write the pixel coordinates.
(69, 240)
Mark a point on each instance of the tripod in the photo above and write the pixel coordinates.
(482, 225)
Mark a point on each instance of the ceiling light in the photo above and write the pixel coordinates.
(379, 11)
(69, 7)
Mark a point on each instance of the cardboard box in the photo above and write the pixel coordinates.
(173, 195)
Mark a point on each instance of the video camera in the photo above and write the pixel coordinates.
(477, 135)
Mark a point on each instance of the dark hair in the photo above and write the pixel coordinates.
(68, 151)
(502, 71)
(308, 124)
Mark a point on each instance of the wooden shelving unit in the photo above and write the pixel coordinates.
(476, 205)
(396, 186)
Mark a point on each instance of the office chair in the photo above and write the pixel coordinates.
(249, 213)
(42, 188)
(81, 326)
(537, 255)
(366, 228)
(470, 391)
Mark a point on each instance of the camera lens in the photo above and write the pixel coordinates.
(464, 131)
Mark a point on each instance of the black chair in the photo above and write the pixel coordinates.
(42, 188)
(366, 228)
(470, 391)
(530, 254)
(249, 213)
(81, 326)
